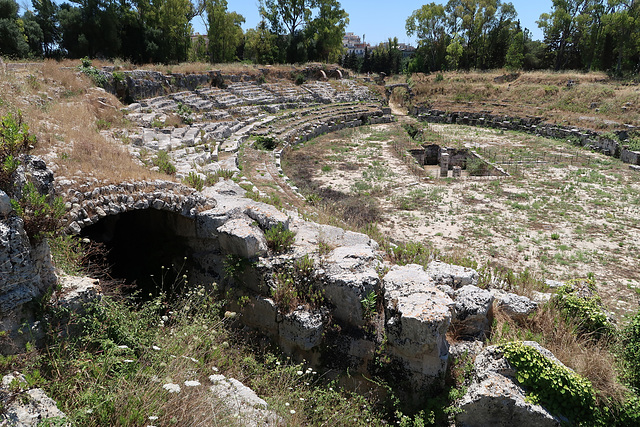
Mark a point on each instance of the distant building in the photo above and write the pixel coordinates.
(406, 49)
(354, 44)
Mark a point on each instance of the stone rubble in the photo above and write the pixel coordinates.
(495, 399)
(242, 402)
(27, 407)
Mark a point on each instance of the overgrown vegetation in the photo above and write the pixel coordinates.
(41, 213)
(163, 162)
(296, 284)
(123, 362)
(555, 387)
(15, 140)
(279, 239)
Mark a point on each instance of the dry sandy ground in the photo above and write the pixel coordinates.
(570, 213)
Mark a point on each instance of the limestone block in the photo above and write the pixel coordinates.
(301, 329)
(30, 408)
(267, 216)
(208, 222)
(19, 278)
(418, 317)
(495, 399)
(452, 275)
(242, 402)
(516, 306)
(5, 204)
(240, 237)
(77, 291)
(260, 313)
(473, 310)
(350, 275)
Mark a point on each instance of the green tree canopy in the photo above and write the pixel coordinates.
(13, 41)
(225, 33)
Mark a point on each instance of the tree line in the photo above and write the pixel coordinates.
(461, 34)
(485, 34)
(159, 31)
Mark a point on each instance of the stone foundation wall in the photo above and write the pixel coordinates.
(534, 125)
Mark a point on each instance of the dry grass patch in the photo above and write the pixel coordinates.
(590, 100)
(66, 112)
(592, 359)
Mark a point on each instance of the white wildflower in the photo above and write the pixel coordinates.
(293, 411)
(299, 372)
(215, 369)
(192, 383)
(155, 347)
(172, 388)
(128, 361)
(123, 347)
(153, 417)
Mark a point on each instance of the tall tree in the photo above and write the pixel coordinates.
(560, 29)
(167, 29)
(327, 29)
(261, 45)
(225, 33)
(46, 11)
(13, 41)
(33, 33)
(429, 24)
(514, 59)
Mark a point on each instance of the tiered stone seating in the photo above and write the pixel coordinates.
(220, 97)
(252, 93)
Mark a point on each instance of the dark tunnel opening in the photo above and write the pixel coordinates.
(147, 249)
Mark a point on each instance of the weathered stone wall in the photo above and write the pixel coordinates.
(88, 207)
(534, 125)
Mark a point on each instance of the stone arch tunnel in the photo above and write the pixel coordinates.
(149, 230)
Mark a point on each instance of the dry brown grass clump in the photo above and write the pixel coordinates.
(66, 112)
(590, 100)
(592, 359)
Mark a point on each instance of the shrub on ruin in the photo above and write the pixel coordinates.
(280, 239)
(163, 162)
(580, 303)
(15, 140)
(194, 180)
(40, 213)
(295, 284)
(556, 387)
(476, 167)
(265, 142)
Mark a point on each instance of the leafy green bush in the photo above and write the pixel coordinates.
(184, 112)
(163, 163)
(557, 388)
(118, 76)
(92, 72)
(630, 351)
(584, 307)
(40, 214)
(15, 140)
(279, 239)
(299, 79)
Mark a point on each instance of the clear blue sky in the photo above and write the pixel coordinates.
(381, 19)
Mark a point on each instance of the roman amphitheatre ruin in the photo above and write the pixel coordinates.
(415, 202)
